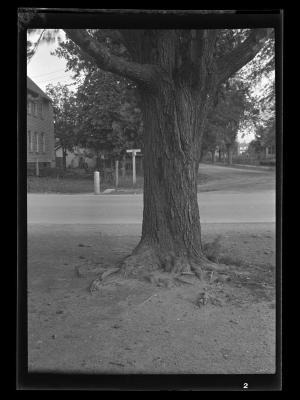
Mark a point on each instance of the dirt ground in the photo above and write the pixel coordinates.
(139, 327)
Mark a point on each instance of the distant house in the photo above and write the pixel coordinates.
(78, 158)
(242, 147)
(40, 128)
(270, 151)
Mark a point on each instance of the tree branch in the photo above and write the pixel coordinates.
(113, 34)
(139, 73)
(230, 63)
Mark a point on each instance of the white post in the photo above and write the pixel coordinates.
(267, 152)
(117, 173)
(133, 168)
(96, 182)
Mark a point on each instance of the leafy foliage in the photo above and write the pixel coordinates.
(65, 110)
(226, 117)
(44, 36)
(105, 120)
(109, 120)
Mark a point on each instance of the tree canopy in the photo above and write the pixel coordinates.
(109, 119)
(65, 112)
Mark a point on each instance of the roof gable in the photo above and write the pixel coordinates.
(34, 88)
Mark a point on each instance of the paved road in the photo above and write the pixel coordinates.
(215, 207)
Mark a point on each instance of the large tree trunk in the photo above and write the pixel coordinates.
(171, 233)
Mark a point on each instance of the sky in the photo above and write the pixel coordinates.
(45, 69)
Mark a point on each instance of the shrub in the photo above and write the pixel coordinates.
(229, 260)
(270, 163)
(213, 250)
(52, 172)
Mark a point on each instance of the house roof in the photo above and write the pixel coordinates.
(34, 88)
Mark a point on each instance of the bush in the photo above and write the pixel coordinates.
(229, 260)
(213, 250)
(271, 163)
(202, 178)
(243, 159)
(52, 172)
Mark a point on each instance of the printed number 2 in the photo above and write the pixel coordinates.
(245, 386)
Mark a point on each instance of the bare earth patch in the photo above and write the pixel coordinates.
(223, 324)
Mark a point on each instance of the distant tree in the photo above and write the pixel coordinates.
(65, 112)
(265, 123)
(264, 138)
(225, 118)
(109, 120)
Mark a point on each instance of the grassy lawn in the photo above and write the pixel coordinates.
(86, 184)
(58, 185)
(210, 178)
(74, 184)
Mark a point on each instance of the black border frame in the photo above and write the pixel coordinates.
(164, 19)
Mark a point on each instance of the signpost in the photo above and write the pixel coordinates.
(133, 151)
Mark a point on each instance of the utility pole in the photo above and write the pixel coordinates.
(117, 173)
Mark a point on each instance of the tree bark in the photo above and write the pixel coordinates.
(171, 234)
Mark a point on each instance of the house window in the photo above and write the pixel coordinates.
(36, 142)
(40, 110)
(29, 107)
(30, 141)
(43, 142)
(45, 109)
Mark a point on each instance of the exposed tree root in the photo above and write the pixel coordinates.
(161, 268)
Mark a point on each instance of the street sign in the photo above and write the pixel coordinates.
(133, 151)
